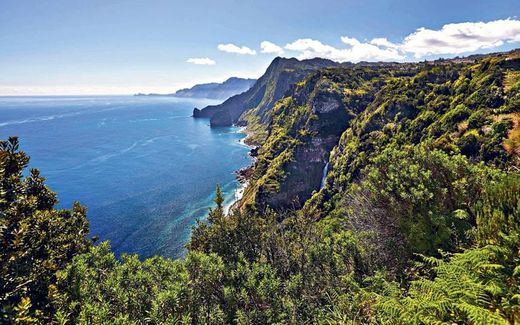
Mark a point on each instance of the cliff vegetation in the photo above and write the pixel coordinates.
(417, 220)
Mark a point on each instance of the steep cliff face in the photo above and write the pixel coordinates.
(303, 129)
(349, 115)
(464, 108)
(271, 87)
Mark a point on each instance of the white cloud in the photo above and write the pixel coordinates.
(357, 51)
(454, 38)
(462, 37)
(383, 42)
(269, 47)
(201, 61)
(350, 41)
(232, 48)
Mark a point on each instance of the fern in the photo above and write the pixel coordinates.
(479, 285)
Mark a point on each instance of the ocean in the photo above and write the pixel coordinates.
(143, 167)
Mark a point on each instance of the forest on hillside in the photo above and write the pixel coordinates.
(418, 221)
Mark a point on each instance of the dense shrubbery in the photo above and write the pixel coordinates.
(479, 285)
(418, 222)
(36, 240)
(414, 200)
(283, 268)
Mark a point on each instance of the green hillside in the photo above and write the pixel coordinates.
(417, 221)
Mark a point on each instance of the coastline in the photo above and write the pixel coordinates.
(244, 140)
(239, 193)
(243, 174)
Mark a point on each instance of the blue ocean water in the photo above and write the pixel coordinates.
(143, 167)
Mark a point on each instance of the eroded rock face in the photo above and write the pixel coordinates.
(197, 113)
(221, 118)
(244, 174)
(304, 174)
(302, 132)
(328, 118)
(326, 106)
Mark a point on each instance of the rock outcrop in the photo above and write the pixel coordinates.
(303, 130)
(273, 85)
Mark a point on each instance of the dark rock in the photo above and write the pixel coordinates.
(253, 152)
(221, 118)
(198, 113)
(244, 174)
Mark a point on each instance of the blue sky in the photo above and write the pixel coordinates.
(117, 47)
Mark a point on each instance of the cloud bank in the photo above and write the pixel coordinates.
(461, 37)
(357, 51)
(270, 48)
(232, 48)
(453, 38)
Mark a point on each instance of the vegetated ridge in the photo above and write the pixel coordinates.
(417, 221)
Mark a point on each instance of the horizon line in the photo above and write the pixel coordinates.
(170, 92)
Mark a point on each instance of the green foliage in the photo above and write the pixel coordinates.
(36, 239)
(269, 272)
(418, 222)
(219, 199)
(423, 191)
(479, 285)
(437, 105)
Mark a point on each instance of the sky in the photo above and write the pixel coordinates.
(72, 47)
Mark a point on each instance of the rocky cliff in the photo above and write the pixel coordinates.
(271, 87)
(303, 129)
(348, 115)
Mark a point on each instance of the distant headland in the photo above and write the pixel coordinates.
(213, 90)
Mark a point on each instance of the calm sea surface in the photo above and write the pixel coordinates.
(143, 167)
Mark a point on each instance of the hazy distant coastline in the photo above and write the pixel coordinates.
(213, 90)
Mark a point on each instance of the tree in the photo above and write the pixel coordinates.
(219, 198)
(36, 239)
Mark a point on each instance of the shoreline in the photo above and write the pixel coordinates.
(246, 140)
(243, 174)
(238, 194)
